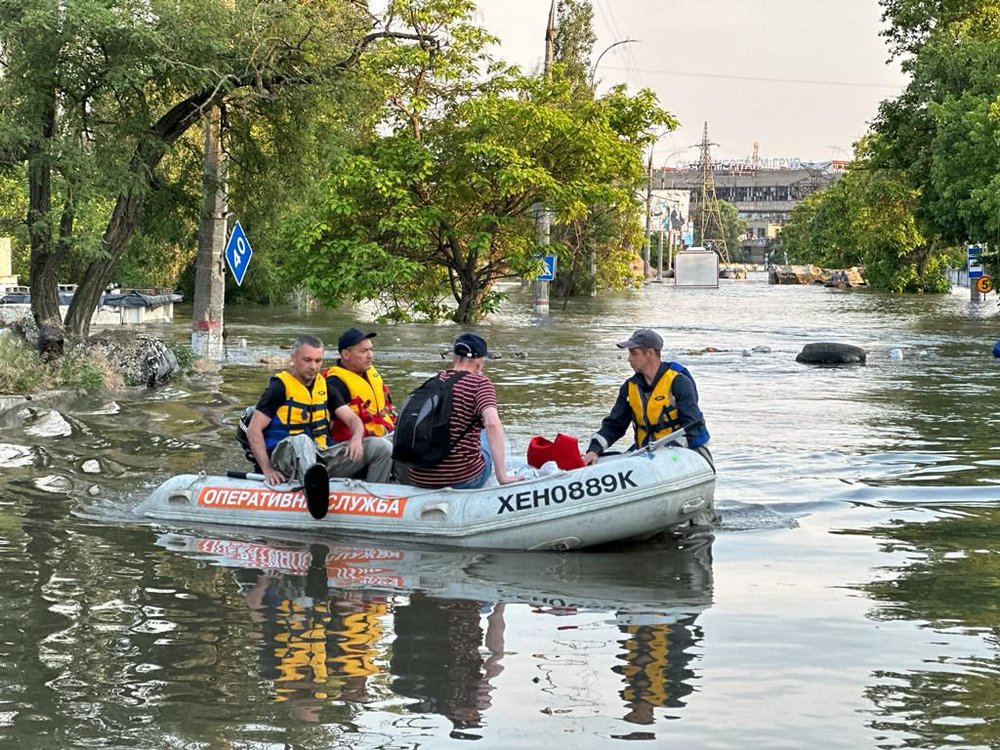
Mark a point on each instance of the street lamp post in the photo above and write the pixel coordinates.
(593, 73)
(593, 70)
(649, 211)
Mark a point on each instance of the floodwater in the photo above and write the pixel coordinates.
(849, 599)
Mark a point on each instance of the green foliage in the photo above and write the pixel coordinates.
(185, 358)
(127, 81)
(405, 174)
(13, 210)
(733, 228)
(608, 238)
(442, 205)
(22, 372)
(78, 371)
(573, 46)
(451, 211)
(942, 135)
(867, 218)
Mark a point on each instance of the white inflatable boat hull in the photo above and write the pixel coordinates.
(631, 496)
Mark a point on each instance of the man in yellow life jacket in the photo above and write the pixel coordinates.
(660, 398)
(288, 430)
(356, 382)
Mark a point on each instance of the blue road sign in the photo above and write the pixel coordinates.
(238, 253)
(550, 269)
(975, 267)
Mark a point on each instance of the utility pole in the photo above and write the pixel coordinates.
(207, 319)
(659, 256)
(550, 41)
(649, 213)
(543, 216)
(208, 314)
(712, 230)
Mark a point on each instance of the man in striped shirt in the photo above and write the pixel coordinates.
(476, 431)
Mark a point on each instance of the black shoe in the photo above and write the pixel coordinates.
(316, 486)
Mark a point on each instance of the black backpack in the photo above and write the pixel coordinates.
(422, 437)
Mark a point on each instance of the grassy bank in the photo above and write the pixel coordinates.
(22, 372)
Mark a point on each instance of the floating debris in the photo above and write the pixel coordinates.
(53, 424)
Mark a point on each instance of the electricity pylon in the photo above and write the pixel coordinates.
(713, 233)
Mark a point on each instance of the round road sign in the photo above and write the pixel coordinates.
(984, 284)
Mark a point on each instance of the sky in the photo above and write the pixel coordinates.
(801, 78)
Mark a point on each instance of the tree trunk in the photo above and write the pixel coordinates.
(44, 267)
(128, 208)
(124, 219)
(469, 310)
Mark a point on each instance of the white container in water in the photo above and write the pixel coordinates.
(696, 267)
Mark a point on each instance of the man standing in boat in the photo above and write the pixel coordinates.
(288, 430)
(477, 439)
(355, 381)
(660, 398)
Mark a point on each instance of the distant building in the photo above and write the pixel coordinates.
(764, 197)
(7, 278)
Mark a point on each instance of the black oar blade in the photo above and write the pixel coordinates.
(316, 485)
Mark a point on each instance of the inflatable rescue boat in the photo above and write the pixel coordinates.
(630, 496)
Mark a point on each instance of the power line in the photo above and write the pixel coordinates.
(607, 13)
(762, 79)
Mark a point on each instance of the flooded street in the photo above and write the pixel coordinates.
(847, 601)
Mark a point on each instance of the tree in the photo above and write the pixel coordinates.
(441, 205)
(446, 204)
(867, 218)
(941, 135)
(96, 94)
(596, 249)
(573, 46)
(927, 179)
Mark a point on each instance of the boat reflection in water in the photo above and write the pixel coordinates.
(353, 623)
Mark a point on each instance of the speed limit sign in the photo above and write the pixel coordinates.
(984, 284)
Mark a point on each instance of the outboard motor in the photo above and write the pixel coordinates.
(241, 436)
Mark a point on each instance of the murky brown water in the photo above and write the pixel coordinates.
(847, 601)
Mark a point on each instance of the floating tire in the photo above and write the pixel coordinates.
(831, 354)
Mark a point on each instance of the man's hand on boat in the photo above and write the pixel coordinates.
(355, 448)
(509, 479)
(590, 458)
(272, 476)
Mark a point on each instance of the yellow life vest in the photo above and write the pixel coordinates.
(369, 399)
(358, 640)
(304, 410)
(658, 415)
(647, 664)
(300, 646)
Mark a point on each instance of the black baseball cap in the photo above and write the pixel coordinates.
(352, 336)
(472, 346)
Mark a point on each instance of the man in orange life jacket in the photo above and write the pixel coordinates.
(661, 397)
(357, 383)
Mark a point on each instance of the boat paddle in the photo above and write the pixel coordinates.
(649, 447)
(665, 440)
(315, 486)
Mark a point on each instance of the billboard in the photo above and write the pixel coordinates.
(670, 209)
